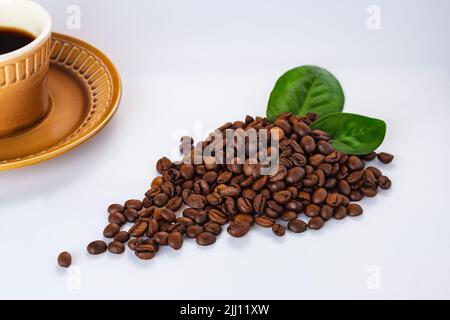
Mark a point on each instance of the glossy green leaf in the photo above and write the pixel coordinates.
(352, 133)
(306, 89)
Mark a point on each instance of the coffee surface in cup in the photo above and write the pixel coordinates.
(12, 39)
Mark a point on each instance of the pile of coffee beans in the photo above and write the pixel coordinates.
(313, 184)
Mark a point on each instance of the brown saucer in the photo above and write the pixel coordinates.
(84, 92)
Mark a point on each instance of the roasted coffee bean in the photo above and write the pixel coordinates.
(205, 239)
(355, 177)
(116, 247)
(259, 203)
(284, 125)
(310, 180)
(369, 192)
(295, 206)
(340, 213)
(238, 229)
(354, 210)
(64, 259)
(115, 208)
(316, 160)
(146, 212)
(344, 200)
(326, 168)
(280, 175)
(244, 205)
(354, 163)
(320, 135)
(277, 186)
(117, 218)
(122, 236)
(297, 226)
(330, 183)
(147, 202)
(145, 251)
(97, 247)
(241, 217)
(212, 227)
(175, 203)
(375, 171)
(282, 197)
(343, 187)
(325, 147)
(369, 178)
(201, 187)
(308, 144)
(157, 181)
(298, 160)
(321, 179)
(178, 227)
(249, 194)
(153, 192)
(288, 216)
(304, 198)
(131, 215)
(210, 177)
(133, 243)
(161, 238)
(168, 215)
(302, 129)
(316, 223)
(193, 231)
(370, 156)
(385, 158)
(312, 210)
(319, 196)
(271, 213)
(214, 199)
(326, 212)
(295, 174)
(355, 195)
(384, 182)
(164, 225)
(232, 192)
(161, 199)
(111, 230)
(218, 216)
(333, 157)
(175, 240)
(138, 229)
(187, 222)
(333, 199)
(133, 204)
(230, 206)
(199, 216)
(225, 177)
(196, 201)
(266, 193)
(168, 188)
(278, 230)
(264, 221)
(260, 183)
(163, 164)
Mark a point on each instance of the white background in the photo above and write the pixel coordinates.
(201, 63)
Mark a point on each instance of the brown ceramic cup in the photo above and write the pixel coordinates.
(24, 97)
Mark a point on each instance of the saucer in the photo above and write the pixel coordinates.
(84, 92)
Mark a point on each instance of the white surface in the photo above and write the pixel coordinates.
(212, 61)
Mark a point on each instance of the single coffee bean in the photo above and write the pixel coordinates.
(370, 156)
(196, 201)
(205, 239)
(384, 182)
(210, 177)
(152, 228)
(354, 210)
(333, 199)
(244, 205)
(187, 222)
(325, 147)
(264, 221)
(153, 192)
(175, 240)
(385, 158)
(161, 238)
(240, 217)
(330, 183)
(117, 218)
(295, 206)
(165, 226)
(304, 198)
(163, 164)
(354, 163)
(298, 160)
(193, 231)
(316, 160)
(288, 216)
(115, 208)
(214, 199)
(146, 212)
(319, 134)
(282, 197)
(277, 186)
(157, 181)
(187, 171)
(111, 230)
(343, 187)
(355, 177)
(344, 200)
(201, 187)
(312, 210)
(238, 229)
(232, 192)
(295, 174)
(224, 177)
(340, 213)
(134, 204)
(116, 247)
(355, 195)
(131, 214)
(175, 203)
(122, 236)
(145, 251)
(321, 179)
(316, 223)
(297, 226)
(310, 180)
(369, 192)
(302, 129)
(259, 203)
(260, 183)
(319, 196)
(199, 216)
(280, 175)
(138, 229)
(133, 243)
(218, 216)
(326, 212)
(376, 172)
(333, 157)
(278, 230)
(213, 227)
(369, 178)
(96, 247)
(284, 125)
(326, 168)
(64, 259)
(168, 215)
(308, 144)
(249, 194)
(178, 227)
(161, 199)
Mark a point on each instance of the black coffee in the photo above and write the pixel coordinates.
(12, 39)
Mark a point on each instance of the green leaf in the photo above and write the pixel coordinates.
(352, 133)
(306, 89)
